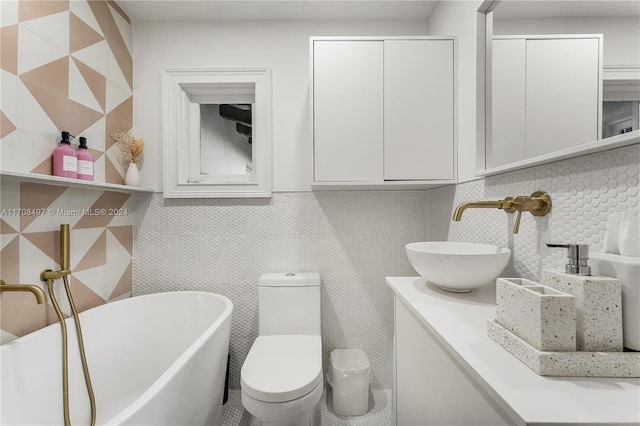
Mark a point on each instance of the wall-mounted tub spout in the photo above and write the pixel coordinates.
(37, 291)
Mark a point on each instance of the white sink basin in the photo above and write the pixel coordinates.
(457, 267)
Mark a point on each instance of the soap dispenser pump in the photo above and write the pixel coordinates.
(577, 257)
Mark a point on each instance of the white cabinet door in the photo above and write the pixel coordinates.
(508, 123)
(431, 388)
(546, 95)
(563, 94)
(418, 109)
(348, 110)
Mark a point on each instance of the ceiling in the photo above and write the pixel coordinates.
(511, 9)
(238, 10)
(225, 10)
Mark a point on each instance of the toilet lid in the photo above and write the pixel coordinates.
(282, 368)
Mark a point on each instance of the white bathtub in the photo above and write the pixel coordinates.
(158, 359)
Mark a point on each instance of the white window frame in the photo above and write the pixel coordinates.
(183, 92)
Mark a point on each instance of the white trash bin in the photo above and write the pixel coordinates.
(349, 377)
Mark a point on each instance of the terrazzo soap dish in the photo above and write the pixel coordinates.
(566, 364)
(571, 327)
(541, 316)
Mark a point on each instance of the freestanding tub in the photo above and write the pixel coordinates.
(158, 359)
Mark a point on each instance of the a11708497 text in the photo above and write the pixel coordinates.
(63, 212)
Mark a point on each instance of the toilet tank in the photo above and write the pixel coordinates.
(289, 303)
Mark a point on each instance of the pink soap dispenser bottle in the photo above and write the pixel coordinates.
(85, 161)
(65, 162)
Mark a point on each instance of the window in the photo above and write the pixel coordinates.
(217, 133)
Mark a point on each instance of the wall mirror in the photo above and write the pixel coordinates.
(559, 79)
(216, 135)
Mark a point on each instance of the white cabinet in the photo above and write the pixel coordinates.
(546, 95)
(348, 110)
(418, 109)
(431, 388)
(383, 112)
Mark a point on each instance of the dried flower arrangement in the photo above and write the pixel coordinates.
(131, 147)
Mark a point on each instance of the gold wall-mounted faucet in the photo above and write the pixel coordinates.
(538, 204)
(37, 291)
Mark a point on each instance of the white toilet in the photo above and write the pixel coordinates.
(281, 379)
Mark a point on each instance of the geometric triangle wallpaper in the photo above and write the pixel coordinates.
(64, 65)
(100, 252)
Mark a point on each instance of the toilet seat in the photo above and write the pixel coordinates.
(282, 368)
(284, 413)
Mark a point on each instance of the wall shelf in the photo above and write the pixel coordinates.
(600, 145)
(407, 185)
(72, 183)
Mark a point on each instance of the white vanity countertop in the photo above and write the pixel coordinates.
(459, 322)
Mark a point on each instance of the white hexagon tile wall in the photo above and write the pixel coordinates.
(584, 191)
(354, 239)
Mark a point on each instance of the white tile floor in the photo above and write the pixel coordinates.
(379, 414)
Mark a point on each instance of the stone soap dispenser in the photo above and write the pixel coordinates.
(598, 301)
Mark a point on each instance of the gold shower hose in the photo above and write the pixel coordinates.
(65, 364)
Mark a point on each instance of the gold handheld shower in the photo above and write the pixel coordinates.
(65, 245)
(50, 276)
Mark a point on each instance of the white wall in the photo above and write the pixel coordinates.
(458, 18)
(354, 239)
(621, 34)
(283, 46)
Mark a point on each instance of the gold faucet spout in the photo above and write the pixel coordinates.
(538, 204)
(457, 214)
(34, 289)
